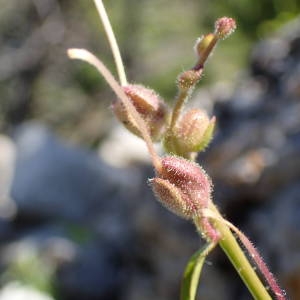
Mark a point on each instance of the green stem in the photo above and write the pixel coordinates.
(184, 94)
(238, 259)
(181, 99)
(112, 41)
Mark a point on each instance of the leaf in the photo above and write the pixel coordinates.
(192, 272)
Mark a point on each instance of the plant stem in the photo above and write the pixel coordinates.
(90, 58)
(112, 41)
(184, 94)
(238, 259)
(181, 98)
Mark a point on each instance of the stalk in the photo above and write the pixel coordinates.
(112, 41)
(238, 259)
(181, 99)
(185, 93)
(90, 58)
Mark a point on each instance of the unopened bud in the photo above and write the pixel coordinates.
(203, 43)
(224, 27)
(182, 186)
(192, 133)
(187, 79)
(172, 197)
(148, 104)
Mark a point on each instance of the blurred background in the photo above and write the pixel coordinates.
(77, 217)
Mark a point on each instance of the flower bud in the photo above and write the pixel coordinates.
(224, 27)
(187, 79)
(148, 104)
(203, 43)
(171, 197)
(182, 186)
(192, 133)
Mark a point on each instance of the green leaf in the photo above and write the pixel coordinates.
(192, 272)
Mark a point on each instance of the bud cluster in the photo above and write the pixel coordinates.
(182, 186)
(187, 133)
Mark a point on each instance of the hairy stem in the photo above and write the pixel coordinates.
(256, 257)
(184, 94)
(112, 41)
(181, 99)
(88, 57)
(238, 259)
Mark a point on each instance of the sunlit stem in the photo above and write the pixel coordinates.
(88, 57)
(253, 253)
(112, 41)
(238, 259)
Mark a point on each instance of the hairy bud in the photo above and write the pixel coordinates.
(192, 133)
(182, 186)
(148, 104)
(187, 79)
(224, 27)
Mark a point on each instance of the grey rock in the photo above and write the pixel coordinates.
(56, 180)
(96, 273)
(277, 230)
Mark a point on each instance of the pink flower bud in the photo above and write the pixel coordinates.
(148, 104)
(224, 27)
(172, 198)
(182, 186)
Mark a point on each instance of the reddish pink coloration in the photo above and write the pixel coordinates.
(187, 181)
(224, 27)
(172, 198)
(186, 174)
(255, 256)
(208, 230)
(148, 104)
(144, 98)
(184, 188)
